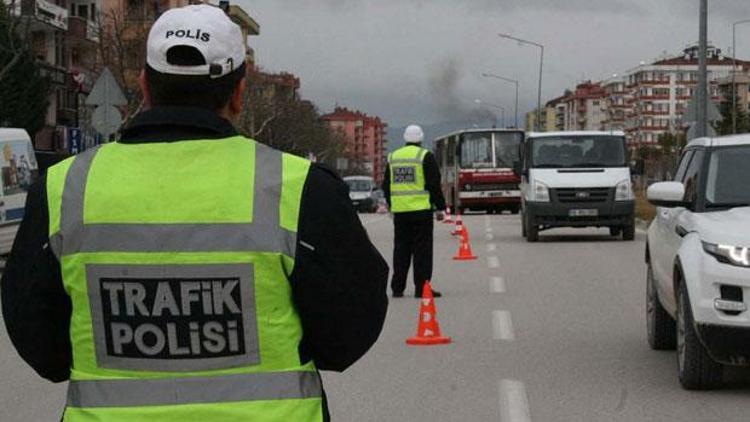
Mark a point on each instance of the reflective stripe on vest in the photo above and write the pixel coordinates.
(167, 392)
(408, 193)
(264, 234)
(187, 319)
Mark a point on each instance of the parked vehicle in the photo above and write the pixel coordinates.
(576, 179)
(19, 170)
(361, 190)
(476, 167)
(698, 256)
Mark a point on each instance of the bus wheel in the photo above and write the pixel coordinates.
(515, 210)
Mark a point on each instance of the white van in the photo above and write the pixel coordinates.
(19, 170)
(576, 179)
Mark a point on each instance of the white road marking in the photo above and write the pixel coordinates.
(502, 326)
(493, 262)
(491, 247)
(514, 404)
(490, 236)
(497, 285)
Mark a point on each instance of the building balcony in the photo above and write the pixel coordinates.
(57, 76)
(45, 15)
(82, 30)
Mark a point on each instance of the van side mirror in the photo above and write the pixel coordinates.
(667, 194)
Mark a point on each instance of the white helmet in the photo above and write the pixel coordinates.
(413, 135)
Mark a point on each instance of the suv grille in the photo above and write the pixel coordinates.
(589, 195)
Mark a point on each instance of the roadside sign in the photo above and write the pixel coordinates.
(106, 91)
(691, 112)
(105, 95)
(75, 140)
(692, 132)
(106, 120)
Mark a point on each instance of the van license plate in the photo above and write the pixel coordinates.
(584, 213)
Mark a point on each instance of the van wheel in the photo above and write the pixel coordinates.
(532, 230)
(615, 231)
(628, 232)
(523, 225)
(662, 331)
(697, 371)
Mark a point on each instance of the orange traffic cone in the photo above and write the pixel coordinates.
(428, 330)
(448, 219)
(464, 251)
(459, 226)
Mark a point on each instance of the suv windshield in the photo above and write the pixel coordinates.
(578, 152)
(728, 176)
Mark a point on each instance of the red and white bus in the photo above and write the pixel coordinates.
(477, 169)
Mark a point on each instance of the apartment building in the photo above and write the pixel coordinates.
(650, 99)
(364, 138)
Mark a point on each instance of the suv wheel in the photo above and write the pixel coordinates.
(662, 331)
(697, 371)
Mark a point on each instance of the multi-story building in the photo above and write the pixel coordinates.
(74, 39)
(616, 105)
(650, 99)
(741, 84)
(585, 107)
(364, 137)
(549, 117)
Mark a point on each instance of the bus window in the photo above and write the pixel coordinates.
(450, 151)
(440, 152)
(507, 148)
(476, 150)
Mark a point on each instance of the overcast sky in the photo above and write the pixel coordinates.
(419, 61)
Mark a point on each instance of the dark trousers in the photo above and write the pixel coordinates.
(413, 238)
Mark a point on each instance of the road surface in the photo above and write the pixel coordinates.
(552, 331)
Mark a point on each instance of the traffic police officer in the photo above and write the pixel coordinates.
(187, 272)
(412, 189)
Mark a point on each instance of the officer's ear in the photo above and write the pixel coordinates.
(145, 89)
(236, 102)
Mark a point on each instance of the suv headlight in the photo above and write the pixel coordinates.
(733, 255)
(540, 192)
(624, 191)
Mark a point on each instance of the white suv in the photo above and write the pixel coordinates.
(698, 256)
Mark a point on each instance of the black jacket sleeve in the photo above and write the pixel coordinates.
(339, 278)
(36, 308)
(387, 184)
(432, 181)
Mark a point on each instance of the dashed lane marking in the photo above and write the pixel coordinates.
(491, 247)
(493, 262)
(497, 285)
(514, 404)
(502, 326)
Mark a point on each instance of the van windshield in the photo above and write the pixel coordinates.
(578, 152)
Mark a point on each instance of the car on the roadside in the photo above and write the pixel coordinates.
(698, 261)
(362, 192)
(19, 170)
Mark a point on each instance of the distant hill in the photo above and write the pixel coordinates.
(396, 134)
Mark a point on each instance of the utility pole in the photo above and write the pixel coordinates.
(734, 73)
(702, 109)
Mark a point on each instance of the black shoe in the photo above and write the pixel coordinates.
(435, 294)
(398, 294)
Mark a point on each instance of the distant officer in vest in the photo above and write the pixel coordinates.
(186, 272)
(412, 189)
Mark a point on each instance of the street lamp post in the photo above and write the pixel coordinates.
(541, 70)
(501, 108)
(734, 73)
(702, 109)
(502, 78)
